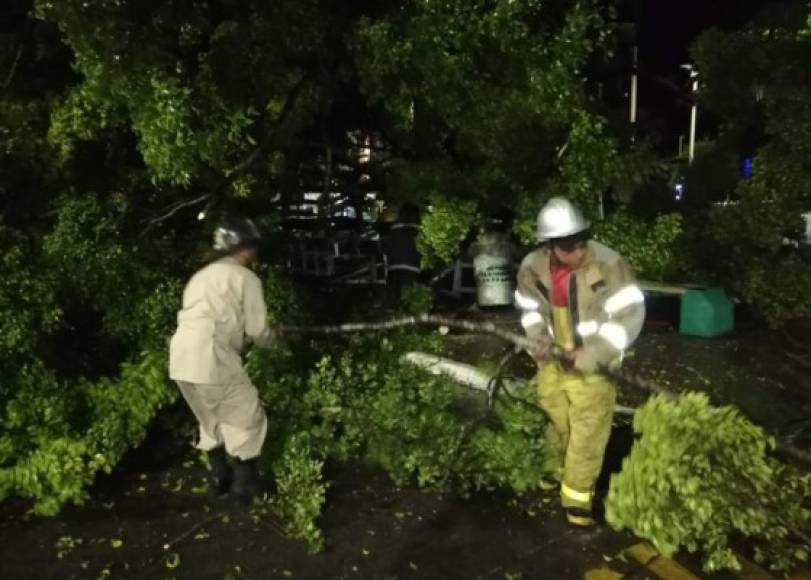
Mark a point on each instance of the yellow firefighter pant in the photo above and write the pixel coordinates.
(580, 407)
(229, 415)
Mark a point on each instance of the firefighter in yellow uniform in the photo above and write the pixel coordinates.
(580, 295)
(223, 303)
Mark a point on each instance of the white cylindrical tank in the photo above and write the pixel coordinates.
(495, 275)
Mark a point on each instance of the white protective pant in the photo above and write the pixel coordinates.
(228, 414)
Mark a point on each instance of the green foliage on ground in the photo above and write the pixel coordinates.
(700, 476)
(56, 438)
(361, 402)
(58, 429)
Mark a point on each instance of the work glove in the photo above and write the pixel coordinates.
(538, 347)
(568, 360)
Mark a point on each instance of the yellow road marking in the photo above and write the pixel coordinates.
(663, 567)
(602, 573)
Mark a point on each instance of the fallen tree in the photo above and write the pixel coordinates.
(363, 401)
(359, 397)
(699, 476)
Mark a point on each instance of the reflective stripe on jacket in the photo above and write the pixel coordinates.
(400, 247)
(606, 306)
(222, 303)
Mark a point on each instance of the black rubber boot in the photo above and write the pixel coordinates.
(221, 470)
(246, 480)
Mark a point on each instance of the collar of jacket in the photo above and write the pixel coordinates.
(546, 259)
(230, 260)
(579, 275)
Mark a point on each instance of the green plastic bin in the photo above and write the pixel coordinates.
(706, 313)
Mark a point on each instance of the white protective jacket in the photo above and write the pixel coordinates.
(222, 303)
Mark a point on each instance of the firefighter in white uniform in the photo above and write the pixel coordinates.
(222, 304)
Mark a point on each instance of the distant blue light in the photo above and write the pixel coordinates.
(678, 191)
(747, 167)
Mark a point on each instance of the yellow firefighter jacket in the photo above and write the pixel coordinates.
(606, 308)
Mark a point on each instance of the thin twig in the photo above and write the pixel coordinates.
(802, 535)
(641, 382)
(270, 138)
(12, 72)
(796, 343)
(799, 359)
(191, 530)
(788, 448)
(496, 382)
(172, 210)
(562, 150)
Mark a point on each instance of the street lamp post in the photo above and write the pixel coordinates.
(633, 96)
(693, 113)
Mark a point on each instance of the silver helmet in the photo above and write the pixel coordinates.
(559, 218)
(236, 233)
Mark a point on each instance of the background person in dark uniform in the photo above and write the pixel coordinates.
(403, 260)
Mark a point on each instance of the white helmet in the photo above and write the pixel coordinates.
(236, 233)
(559, 218)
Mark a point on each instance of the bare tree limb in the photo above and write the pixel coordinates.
(172, 210)
(270, 139)
(802, 346)
(799, 360)
(13, 70)
(421, 319)
(267, 145)
(788, 448)
(562, 150)
(516, 339)
(204, 522)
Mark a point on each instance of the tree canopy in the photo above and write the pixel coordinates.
(172, 101)
(756, 80)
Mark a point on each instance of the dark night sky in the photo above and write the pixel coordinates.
(667, 27)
